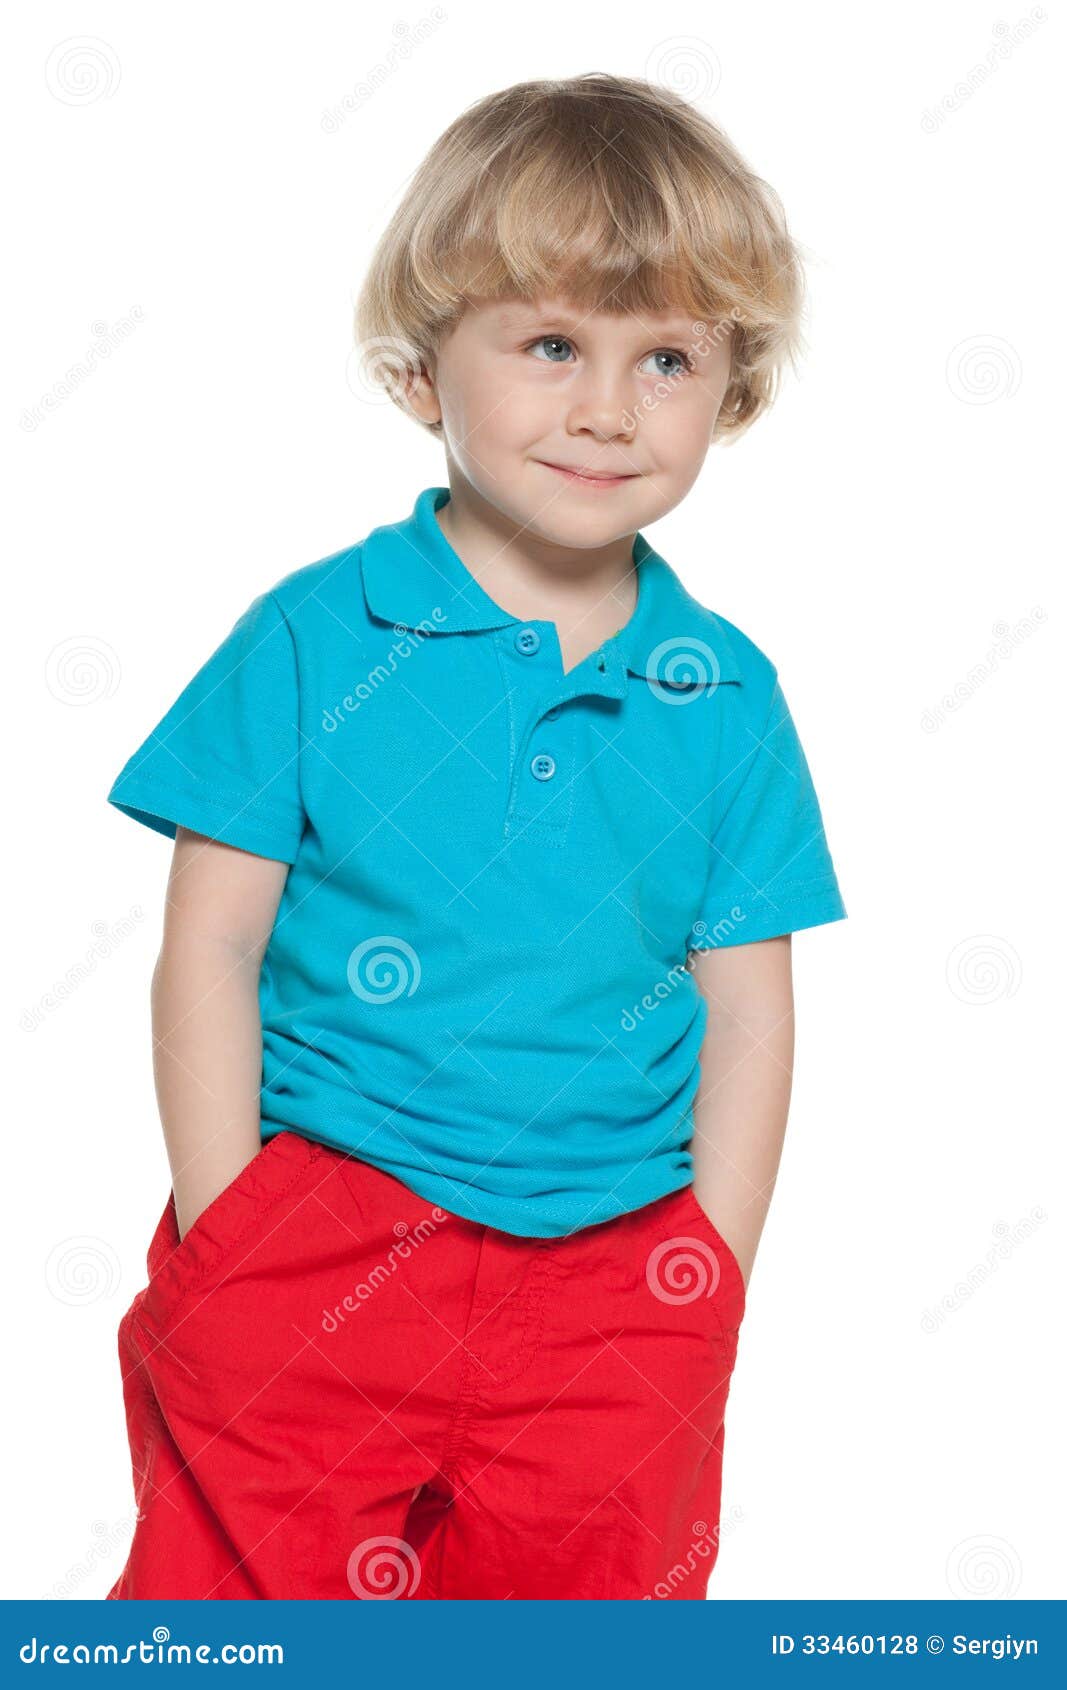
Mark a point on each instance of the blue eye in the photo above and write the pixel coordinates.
(559, 348)
(551, 340)
(682, 362)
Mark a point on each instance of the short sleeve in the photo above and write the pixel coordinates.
(771, 871)
(224, 760)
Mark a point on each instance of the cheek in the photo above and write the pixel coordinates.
(678, 429)
(460, 409)
(474, 411)
(497, 409)
(464, 391)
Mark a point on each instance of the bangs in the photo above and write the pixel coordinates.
(613, 217)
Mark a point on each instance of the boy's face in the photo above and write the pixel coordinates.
(520, 387)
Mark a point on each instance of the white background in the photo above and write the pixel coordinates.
(895, 1427)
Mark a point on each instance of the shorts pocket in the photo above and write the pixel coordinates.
(728, 1264)
(179, 1265)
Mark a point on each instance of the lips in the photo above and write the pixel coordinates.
(588, 474)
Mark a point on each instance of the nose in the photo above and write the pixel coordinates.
(599, 401)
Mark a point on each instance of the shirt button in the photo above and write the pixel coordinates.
(527, 640)
(543, 767)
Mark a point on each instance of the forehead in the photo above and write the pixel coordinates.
(563, 313)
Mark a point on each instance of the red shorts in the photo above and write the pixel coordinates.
(336, 1390)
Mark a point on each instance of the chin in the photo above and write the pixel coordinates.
(578, 532)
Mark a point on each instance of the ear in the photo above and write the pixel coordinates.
(416, 391)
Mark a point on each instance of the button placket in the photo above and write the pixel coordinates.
(541, 798)
(539, 750)
(542, 795)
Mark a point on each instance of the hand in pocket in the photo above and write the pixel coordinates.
(202, 1182)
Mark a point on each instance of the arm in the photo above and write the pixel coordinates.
(746, 1063)
(207, 1036)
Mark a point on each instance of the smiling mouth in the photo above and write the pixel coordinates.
(591, 477)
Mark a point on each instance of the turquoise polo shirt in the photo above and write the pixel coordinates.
(477, 977)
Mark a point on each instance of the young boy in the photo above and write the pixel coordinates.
(489, 842)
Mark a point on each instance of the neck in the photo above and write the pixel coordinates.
(535, 579)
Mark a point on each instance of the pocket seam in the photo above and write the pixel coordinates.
(230, 1186)
(722, 1248)
(169, 1310)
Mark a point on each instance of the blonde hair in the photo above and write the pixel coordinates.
(608, 191)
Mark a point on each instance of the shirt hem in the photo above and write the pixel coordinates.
(164, 809)
(814, 909)
(498, 1211)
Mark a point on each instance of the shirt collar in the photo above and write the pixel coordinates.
(413, 578)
